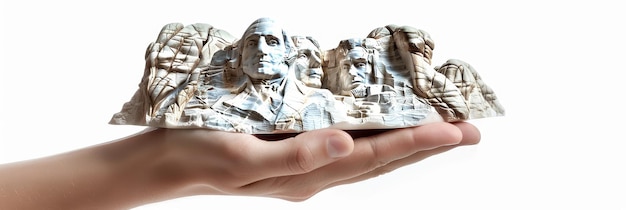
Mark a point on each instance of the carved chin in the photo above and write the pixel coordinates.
(264, 73)
(313, 83)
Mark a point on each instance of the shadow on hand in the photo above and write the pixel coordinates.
(354, 133)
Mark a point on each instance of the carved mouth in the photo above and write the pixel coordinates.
(357, 80)
(356, 83)
(264, 63)
(315, 76)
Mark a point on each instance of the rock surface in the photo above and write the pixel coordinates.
(199, 76)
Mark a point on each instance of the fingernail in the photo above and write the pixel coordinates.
(336, 147)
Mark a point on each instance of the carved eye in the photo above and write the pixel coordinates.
(302, 55)
(272, 42)
(251, 43)
(360, 64)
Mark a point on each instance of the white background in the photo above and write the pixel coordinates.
(556, 67)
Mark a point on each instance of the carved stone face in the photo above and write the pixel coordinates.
(308, 63)
(263, 51)
(354, 69)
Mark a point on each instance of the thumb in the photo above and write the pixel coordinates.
(305, 152)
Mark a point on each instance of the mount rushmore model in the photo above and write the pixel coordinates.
(267, 81)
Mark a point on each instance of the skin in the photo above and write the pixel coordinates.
(161, 164)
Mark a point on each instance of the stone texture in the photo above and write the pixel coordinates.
(198, 76)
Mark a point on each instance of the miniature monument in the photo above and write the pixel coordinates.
(267, 81)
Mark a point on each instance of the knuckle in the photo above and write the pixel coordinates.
(302, 161)
(377, 161)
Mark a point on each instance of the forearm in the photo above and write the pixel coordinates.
(114, 175)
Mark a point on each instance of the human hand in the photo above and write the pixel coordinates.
(162, 164)
(297, 168)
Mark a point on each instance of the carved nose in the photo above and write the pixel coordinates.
(315, 60)
(353, 71)
(262, 46)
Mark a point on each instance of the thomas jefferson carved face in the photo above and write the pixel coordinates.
(263, 51)
(308, 62)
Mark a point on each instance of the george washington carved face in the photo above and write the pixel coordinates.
(263, 51)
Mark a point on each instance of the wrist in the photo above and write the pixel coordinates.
(174, 162)
(141, 168)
